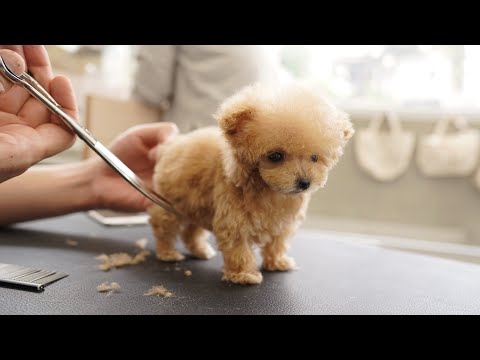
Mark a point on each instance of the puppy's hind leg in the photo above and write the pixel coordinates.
(195, 239)
(165, 227)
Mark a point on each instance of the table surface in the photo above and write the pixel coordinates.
(335, 277)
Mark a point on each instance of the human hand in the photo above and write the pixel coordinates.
(137, 148)
(29, 132)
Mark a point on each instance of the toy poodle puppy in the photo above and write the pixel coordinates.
(250, 180)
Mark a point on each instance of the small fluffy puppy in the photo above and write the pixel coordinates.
(250, 180)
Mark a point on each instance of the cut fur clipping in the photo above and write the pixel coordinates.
(141, 243)
(140, 257)
(71, 242)
(158, 291)
(110, 288)
(188, 273)
(119, 260)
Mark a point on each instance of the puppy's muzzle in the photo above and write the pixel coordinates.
(303, 184)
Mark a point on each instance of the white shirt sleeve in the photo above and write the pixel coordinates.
(154, 75)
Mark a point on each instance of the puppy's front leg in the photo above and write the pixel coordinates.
(274, 255)
(240, 265)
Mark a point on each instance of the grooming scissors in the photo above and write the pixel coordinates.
(37, 91)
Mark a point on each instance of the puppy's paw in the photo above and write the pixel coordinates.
(170, 256)
(205, 252)
(244, 278)
(283, 263)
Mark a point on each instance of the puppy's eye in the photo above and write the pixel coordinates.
(314, 158)
(275, 156)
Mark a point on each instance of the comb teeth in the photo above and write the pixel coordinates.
(29, 278)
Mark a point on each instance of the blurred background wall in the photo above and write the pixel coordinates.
(419, 82)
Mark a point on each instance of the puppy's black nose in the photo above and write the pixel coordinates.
(303, 184)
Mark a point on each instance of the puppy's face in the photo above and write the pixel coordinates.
(292, 169)
(293, 137)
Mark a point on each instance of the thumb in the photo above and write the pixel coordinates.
(15, 63)
(169, 130)
(152, 154)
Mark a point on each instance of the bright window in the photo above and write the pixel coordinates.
(424, 77)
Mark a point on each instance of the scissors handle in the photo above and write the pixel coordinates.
(37, 91)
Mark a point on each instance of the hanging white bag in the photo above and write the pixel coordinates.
(442, 154)
(384, 155)
(477, 179)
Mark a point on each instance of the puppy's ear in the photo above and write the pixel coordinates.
(346, 125)
(232, 123)
(239, 109)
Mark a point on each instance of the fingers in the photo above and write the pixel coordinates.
(16, 48)
(35, 113)
(13, 60)
(38, 63)
(15, 63)
(59, 138)
(56, 136)
(36, 60)
(12, 97)
(12, 100)
(55, 139)
(152, 154)
(153, 134)
(136, 144)
(61, 90)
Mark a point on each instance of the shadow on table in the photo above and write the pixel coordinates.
(46, 239)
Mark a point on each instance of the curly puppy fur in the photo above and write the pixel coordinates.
(232, 181)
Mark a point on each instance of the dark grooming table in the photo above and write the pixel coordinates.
(335, 277)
